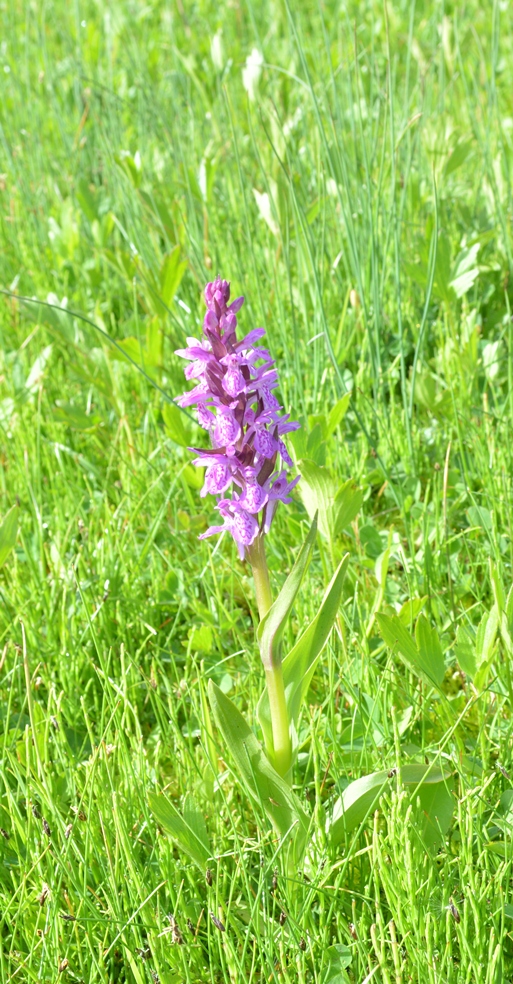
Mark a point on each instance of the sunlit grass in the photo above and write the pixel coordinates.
(361, 200)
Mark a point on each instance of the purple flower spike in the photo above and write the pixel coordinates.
(233, 394)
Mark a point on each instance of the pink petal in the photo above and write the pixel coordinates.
(236, 305)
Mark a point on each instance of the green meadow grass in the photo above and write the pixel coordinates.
(360, 197)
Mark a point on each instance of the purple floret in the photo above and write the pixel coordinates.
(233, 394)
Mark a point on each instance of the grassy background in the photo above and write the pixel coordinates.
(361, 200)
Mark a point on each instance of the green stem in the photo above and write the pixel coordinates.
(274, 673)
(258, 561)
(280, 720)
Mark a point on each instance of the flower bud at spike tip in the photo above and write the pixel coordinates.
(233, 392)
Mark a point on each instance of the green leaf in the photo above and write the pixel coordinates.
(411, 609)
(206, 177)
(458, 156)
(200, 638)
(493, 356)
(355, 804)
(497, 587)
(131, 165)
(503, 849)
(336, 505)
(193, 477)
(263, 783)
(297, 441)
(371, 541)
(267, 208)
(316, 443)
(416, 271)
(486, 635)
(318, 489)
(339, 978)
(485, 646)
(503, 817)
(339, 957)
(424, 656)
(509, 607)
(87, 200)
(8, 533)
(348, 501)
(270, 630)
(337, 414)
(462, 284)
(397, 637)
(67, 413)
(479, 516)
(188, 831)
(175, 424)
(154, 343)
(130, 346)
(465, 270)
(465, 652)
(300, 663)
(170, 976)
(195, 821)
(362, 796)
(476, 655)
(171, 273)
(38, 369)
(431, 657)
(313, 211)
(436, 806)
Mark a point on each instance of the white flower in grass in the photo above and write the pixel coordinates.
(216, 50)
(252, 71)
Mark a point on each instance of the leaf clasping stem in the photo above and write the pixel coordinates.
(273, 668)
(258, 561)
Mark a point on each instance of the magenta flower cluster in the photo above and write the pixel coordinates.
(236, 405)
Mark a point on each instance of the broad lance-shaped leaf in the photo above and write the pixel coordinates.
(433, 819)
(299, 664)
(337, 414)
(348, 501)
(195, 821)
(337, 505)
(318, 489)
(8, 533)
(270, 630)
(175, 423)
(263, 783)
(430, 784)
(171, 274)
(188, 831)
(431, 657)
(486, 633)
(422, 654)
(476, 654)
(465, 651)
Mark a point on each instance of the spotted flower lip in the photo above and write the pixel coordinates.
(233, 393)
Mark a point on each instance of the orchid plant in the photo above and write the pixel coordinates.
(247, 470)
(236, 405)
